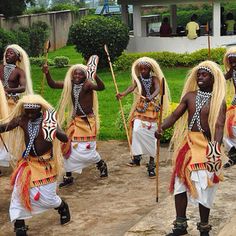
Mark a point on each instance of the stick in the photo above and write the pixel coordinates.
(47, 46)
(208, 41)
(158, 140)
(5, 146)
(117, 91)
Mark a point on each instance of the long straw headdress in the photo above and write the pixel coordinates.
(65, 107)
(24, 64)
(218, 96)
(156, 71)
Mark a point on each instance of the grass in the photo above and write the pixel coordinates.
(108, 105)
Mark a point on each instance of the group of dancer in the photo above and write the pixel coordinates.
(43, 150)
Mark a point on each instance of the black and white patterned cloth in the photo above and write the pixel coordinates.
(76, 92)
(202, 98)
(8, 68)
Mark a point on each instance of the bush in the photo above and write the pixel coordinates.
(170, 59)
(93, 32)
(61, 61)
(38, 34)
(6, 37)
(39, 61)
(22, 38)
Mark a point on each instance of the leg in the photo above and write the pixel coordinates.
(180, 224)
(64, 212)
(102, 166)
(135, 161)
(67, 180)
(20, 228)
(232, 158)
(151, 168)
(203, 226)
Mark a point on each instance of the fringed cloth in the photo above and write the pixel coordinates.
(12, 101)
(33, 172)
(150, 115)
(230, 128)
(190, 157)
(81, 129)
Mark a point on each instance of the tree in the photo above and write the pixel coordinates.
(14, 7)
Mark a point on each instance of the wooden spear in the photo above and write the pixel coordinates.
(158, 140)
(117, 91)
(47, 46)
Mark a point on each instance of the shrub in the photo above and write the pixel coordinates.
(93, 32)
(22, 38)
(38, 34)
(170, 59)
(6, 37)
(39, 61)
(61, 61)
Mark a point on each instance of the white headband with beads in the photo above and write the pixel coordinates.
(145, 63)
(232, 55)
(32, 106)
(206, 69)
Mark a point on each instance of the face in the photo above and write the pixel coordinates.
(32, 114)
(205, 80)
(78, 76)
(232, 62)
(11, 56)
(144, 71)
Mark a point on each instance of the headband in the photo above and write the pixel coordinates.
(145, 63)
(206, 69)
(232, 55)
(32, 106)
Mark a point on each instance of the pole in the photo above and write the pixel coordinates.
(117, 91)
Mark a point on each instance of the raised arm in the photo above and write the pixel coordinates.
(60, 134)
(229, 74)
(98, 86)
(10, 125)
(219, 128)
(50, 81)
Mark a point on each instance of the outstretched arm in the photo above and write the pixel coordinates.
(130, 89)
(219, 128)
(10, 125)
(60, 134)
(51, 82)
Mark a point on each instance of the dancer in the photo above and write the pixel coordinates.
(79, 100)
(147, 78)
(34, 178)
(197, 138)
(230, 129)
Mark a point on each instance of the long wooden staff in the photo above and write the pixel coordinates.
(117, 91)
(208, 41)
(47, 46)
(158, 140)
(5, 146)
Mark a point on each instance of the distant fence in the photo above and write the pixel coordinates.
(58, 21)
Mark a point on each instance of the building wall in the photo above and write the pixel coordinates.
(59, 23)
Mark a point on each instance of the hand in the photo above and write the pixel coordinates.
(119, 96)
(159, 133)
(148, 99)
(45, 69)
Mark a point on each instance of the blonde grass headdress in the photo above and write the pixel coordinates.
(157, 72)
(231, 52)
(65, 107)
(217, 98)
(23, 64)
(18, 147)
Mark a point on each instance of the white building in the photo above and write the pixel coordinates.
(140, 42)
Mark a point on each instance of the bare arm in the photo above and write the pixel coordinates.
(156, 91)
(229, 74)
(219, 128)
(130, 89)
(52, 83)
(60, 134)
(99, 86)
(10, 125)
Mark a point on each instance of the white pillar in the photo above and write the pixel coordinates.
(124, 13)
(173, 18)
(216, 19)
(137, 20)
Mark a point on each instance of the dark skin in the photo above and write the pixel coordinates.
(17, 81)
(86, 94)
(145, 72)
(229, 74)
(41, 145)
(205, 83)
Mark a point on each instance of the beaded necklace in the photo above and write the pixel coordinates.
(8, 68)
(201, 99)
(33, 131)
(76, 92)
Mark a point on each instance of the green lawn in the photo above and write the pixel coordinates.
(108, 105)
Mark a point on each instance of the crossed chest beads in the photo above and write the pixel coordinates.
(8, 68)
(76, 92)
